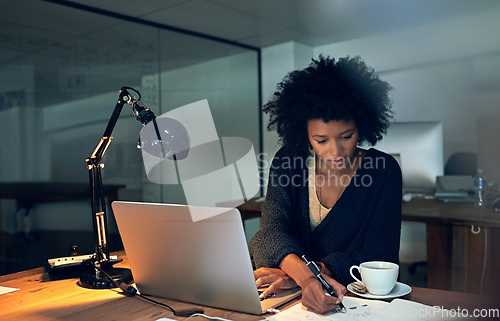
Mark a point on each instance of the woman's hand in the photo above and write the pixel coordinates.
(314, 296)
(276, 278)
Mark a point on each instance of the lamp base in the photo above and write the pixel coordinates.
(98, 280)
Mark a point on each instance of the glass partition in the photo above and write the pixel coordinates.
(61, 69)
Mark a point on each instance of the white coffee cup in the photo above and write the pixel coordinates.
(378, 277)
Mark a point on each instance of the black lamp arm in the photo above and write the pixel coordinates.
(94, 167)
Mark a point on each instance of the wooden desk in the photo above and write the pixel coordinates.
(455, 254)
(41, 299)
(461, 242)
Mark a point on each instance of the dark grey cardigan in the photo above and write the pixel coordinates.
(364, 224)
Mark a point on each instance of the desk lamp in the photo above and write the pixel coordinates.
(167, 139)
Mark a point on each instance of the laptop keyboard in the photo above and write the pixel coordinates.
(267, 297)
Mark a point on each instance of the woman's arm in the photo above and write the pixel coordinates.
(277, 236)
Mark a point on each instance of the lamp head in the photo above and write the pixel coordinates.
(165, 138)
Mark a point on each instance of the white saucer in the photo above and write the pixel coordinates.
(400, 289)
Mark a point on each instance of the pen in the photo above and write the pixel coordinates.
(314, 268)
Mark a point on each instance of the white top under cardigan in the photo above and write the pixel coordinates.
(317, 212)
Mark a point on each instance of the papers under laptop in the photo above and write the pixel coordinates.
(204, 262)
(454, 188)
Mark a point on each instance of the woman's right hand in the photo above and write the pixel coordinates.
(314, 296)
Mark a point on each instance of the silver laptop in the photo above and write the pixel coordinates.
(204, 262)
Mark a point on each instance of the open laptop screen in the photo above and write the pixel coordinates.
(205, 262)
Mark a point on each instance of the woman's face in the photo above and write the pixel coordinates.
(334, 142)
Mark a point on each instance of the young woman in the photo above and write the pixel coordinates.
(328, 198)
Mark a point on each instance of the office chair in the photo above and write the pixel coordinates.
(461, 163)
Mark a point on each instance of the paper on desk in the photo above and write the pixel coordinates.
(374, 310)
(4, 290)
(357, 309)
(400, 309)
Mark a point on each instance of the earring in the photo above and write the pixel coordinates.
(311, 149)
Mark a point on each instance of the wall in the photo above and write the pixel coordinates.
(445, 71)
(232, 97)
(277, 61)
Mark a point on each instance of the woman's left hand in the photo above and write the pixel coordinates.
(276, 278)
